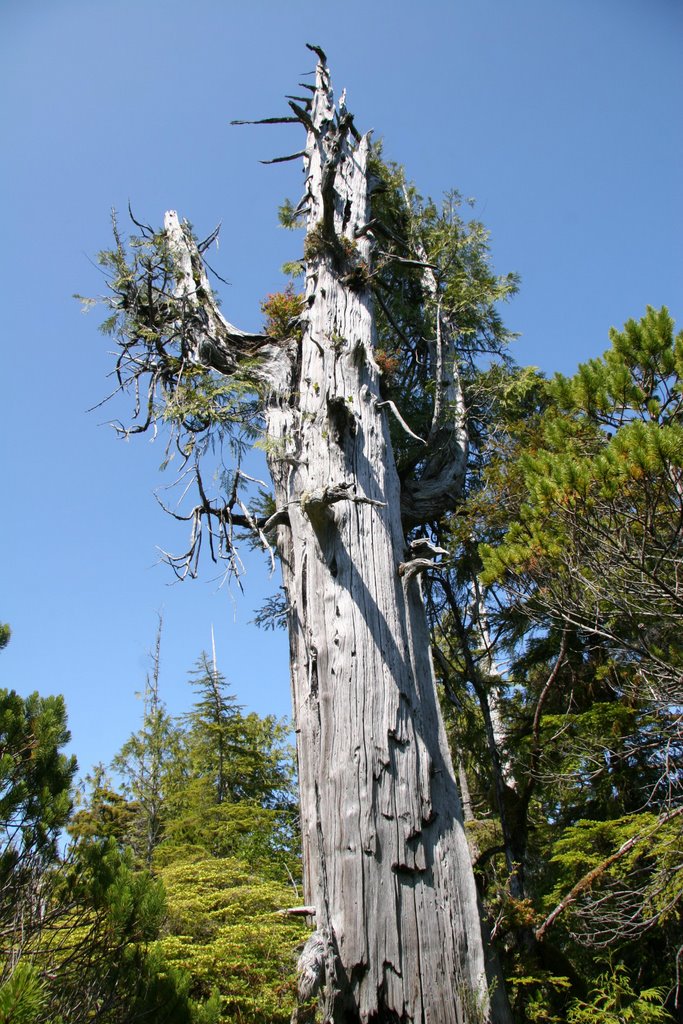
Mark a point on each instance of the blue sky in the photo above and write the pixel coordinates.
(562, 118)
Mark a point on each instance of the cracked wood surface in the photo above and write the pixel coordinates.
(386, 862)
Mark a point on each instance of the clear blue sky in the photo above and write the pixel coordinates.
(562, 118)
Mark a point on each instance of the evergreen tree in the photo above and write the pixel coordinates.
(35, 803)
(558, 639)
(229, 791)
(226, 856)
(103, 812)
(213, 781)
(226, 932)
(214, 732)
(146, 762)
(76, 925)
(241, 757)
(599, 539)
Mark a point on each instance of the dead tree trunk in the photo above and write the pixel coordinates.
(386, 862)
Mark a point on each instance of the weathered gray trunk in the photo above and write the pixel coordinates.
(386, 864)
(386, 861)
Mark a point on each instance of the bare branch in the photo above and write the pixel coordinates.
(302, 116)
(284, 159)
(392, 405)
(592, 876)
(269, 120)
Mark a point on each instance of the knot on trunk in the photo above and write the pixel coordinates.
(316, 504)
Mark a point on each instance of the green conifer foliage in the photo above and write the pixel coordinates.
(469, 294)
(35, 777)
(146, 763)
(103, 812)
(228, 790)
(22, 995)
(224, 930)
(600, 533)
(225, 856)
(615, 1000)
(565, 629)
(76, 925)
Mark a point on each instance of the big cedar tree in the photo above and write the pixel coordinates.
(388, 877)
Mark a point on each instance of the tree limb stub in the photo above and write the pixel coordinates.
(194, 288)
(302, 116)
(392, 405)
(285, 159)
(269, 120)
(318, 51)
(315, 504)
(408, 570)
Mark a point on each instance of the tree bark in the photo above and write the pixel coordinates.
(387, 868)
(386, 862)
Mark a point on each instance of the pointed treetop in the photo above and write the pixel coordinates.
(319, 51)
